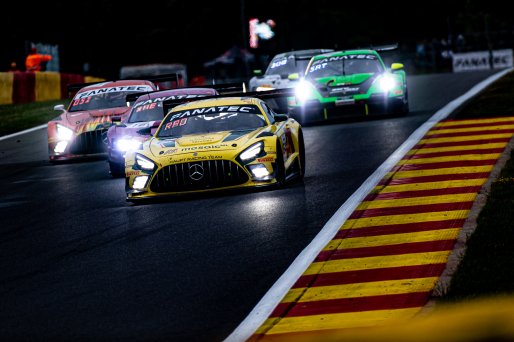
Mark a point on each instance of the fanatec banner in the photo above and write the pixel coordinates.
(479, 60)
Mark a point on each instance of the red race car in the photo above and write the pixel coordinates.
(81, 129)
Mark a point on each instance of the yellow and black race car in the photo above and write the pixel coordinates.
(217, 143)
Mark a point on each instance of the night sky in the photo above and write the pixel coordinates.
(109, 34)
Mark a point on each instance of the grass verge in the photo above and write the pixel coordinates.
(15, 118)
(486, 269)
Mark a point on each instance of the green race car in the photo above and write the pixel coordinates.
(349, 82)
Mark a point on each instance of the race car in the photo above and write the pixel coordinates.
(284, 69)
(216, 143)
(81, 129)
(147, 113)
(349, 82)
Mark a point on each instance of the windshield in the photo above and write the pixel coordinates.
(211, 119)
(104, 98)
(286, 66)
(143, 112)
(345, 65)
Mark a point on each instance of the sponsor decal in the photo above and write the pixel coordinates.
(164, 153)
(266, 159)
(158, 100)
(193, 159)
(141, 88)
(81, 101)
(214, 110)
(480, 60)
(175, 123)
(146, 107)
(278, 63)
(323, 63)
(207, 147)
(133, 173)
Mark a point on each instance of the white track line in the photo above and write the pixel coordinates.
(22, 132)
(274, 295)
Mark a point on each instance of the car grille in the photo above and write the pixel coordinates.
(182, 177)
(89, 142)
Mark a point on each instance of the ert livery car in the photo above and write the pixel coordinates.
(214, 144)
(146, 114)
(284, 69)
(81, 129)
(349, 82)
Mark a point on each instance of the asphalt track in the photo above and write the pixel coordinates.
(77, 261)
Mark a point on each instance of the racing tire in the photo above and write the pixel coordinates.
(301, 152)
(403, 108)
(280, 172)
(116, 170)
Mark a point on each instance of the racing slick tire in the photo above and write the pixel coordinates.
(280, 172)
(403, 107)
(301, 152)
(116, 170)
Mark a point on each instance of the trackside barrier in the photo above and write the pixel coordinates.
(24, 87)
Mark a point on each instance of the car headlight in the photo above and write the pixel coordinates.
(252, 152)
(140, 182)
(64, 133)
(303, 90)
(144, 163)
(125, 145)
(386, 83)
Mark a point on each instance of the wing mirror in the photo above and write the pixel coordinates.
(294, 76)
(59, 107)
(281, 117)
(396, 66)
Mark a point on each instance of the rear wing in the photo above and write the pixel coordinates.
(226, 88)
(383, 48)
(263, 95)
(74, 87)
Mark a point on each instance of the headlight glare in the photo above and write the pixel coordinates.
(144, 163)
(64, 133)
(140, 182)
(386, 83)
(252, 152)
(303, 90)
(125, 145)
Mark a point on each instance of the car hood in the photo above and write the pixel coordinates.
(344, 80)
(91, 120)
(190, 144)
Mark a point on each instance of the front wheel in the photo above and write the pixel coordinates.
(116, 170)
(280, 170)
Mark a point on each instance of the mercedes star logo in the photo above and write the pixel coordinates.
(196, 172)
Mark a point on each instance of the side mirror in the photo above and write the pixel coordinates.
(294, 76)
(281, 117)
(396, 66)
(257, 72)
(59, 107)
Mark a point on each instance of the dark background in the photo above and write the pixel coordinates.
(109, 34)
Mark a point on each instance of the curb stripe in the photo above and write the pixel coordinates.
(392, 239)
(369, 263)
(371, 303)
(400, 228)
(375, 288)
(456, 153)
(334, 321)
(415, 201)
(454, 122)
(428, 185)
(413, 209)
(404, 248)
(468, 134)
(465, 139)
(425, 165)
(364, 223)
(422, 193)
(364, 276)
(452, 171)
(475, 125)
(426, 145)
(435, 178)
